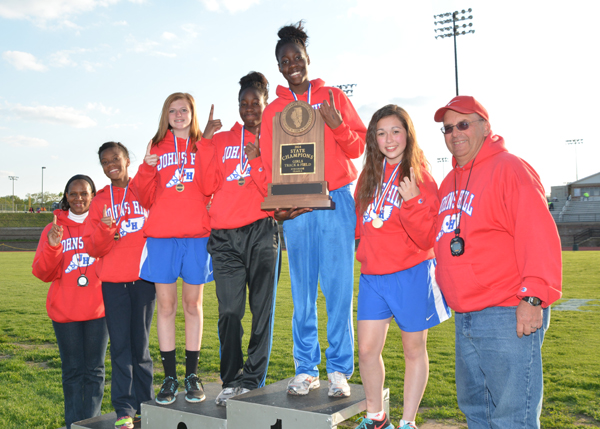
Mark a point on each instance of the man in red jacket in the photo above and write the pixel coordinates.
(499, 267)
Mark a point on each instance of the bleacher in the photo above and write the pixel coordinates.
(576, 211)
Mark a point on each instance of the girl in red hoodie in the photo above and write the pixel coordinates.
(244, 241)
(396, 208)
(114, 232)
(177, 231)
(74, 301)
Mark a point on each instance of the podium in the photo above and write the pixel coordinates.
(267, 408)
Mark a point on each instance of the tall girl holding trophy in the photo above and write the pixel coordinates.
(320, 244)
(244, 240)
(74, 301)
(115, 233)
(177, 229)
(396, 206)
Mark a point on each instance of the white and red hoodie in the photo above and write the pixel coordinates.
(120, 259)
(342, 144)
(62, 265)
(408, 232)
(218, 171)
(172, 214)
(512, 248)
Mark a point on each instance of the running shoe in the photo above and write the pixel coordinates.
(228, 392)
(194, 390)
(302, 384)
(366, 423)
(125, 422)
(168, 391)
(407, 426)
(137, 420)
(338, 384)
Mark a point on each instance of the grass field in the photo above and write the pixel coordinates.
(30, 379)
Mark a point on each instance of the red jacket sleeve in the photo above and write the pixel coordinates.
(209, 176)
(537, 244)
(47, 262)
(97, 236)
(145, 183)
(351, 134)
(419, 214)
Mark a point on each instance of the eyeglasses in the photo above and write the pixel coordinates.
(461, 126)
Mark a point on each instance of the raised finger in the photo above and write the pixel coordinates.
(332, 101)
(212, 109)
(54, 221)
(412, 174)
(149, 147)
(104, 211)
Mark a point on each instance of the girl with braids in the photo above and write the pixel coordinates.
(396, 207)
(114, 232)
(74, 301)
(177, 231)
(244, 240)
(320, 243)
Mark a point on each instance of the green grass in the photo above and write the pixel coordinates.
(30, 378)
(22, 220)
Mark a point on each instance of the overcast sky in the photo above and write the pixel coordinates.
(77, 73)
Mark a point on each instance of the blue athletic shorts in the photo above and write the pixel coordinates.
(166, 259)
(412, 296)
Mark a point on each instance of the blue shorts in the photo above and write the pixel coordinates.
(412, 296)
(164, 260)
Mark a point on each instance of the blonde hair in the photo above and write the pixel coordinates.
(163, 125)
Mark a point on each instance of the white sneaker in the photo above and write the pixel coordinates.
(338, 384)
(302, 384)
(228, 392)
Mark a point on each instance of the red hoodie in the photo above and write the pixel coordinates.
(342, 144)
(120, 258)
(172, 214)
(218, 171)
(512, 248)
(62, 265)
(408, 232)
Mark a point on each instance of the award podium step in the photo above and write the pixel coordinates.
(184, 415)
(272, 408)
(105, 421)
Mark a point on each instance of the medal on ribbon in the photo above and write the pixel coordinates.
(378, 198)
(180, 186)
(121, 210)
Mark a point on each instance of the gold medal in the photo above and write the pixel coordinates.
(241, 181)
(179, 187)
(377, 223)
(117, 235)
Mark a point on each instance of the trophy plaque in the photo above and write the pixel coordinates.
(298, 160)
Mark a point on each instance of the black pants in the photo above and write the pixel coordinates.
(129, 308)
(247, 255)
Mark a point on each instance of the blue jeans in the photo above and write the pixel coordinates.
(499, 378)
(82, 347)
(129, 309)
(320, 247)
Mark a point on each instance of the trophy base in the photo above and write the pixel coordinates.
(313, 195)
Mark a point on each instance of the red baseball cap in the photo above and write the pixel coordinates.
(462, 104)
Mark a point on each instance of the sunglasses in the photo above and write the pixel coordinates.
(461, 126)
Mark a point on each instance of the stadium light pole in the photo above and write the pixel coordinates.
(575, 142)
(43, 168)
(454, 30)
(347, 89)
(13, 178)
(442, 161)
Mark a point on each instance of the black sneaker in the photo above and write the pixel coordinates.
(194, 390)
(168, 391)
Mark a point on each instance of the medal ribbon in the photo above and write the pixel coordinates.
(112, 203)
(243, 157)
(378, 199)
(180, 167)
(307, 97)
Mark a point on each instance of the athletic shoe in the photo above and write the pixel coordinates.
(228, 392)
(168, 391)
(194, 390)
(241, 391)
(137, 420)
(407, 426)
(302, 384)
(366, 423)
(338, 384)
(124, 422)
